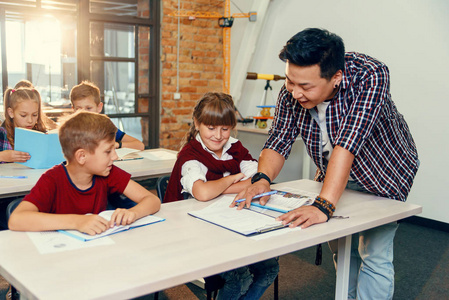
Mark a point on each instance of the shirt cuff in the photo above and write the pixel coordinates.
(192, 171)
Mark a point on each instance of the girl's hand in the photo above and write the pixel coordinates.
(92, 224)
(15, 156)
(237, 177)
(122, 217)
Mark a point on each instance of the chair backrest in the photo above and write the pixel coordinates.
(161, 186)
(11, 207)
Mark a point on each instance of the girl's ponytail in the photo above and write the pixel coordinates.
(8, 124)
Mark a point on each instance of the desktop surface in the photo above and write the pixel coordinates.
(139, 169)
(176, 251)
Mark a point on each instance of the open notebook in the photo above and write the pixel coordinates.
(256, 220)
(127, 154)
(116, 229)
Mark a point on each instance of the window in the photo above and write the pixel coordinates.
(114, 43)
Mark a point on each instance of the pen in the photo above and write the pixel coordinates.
(270, 208)
(15, 177)
(262, 230)
(258, 196)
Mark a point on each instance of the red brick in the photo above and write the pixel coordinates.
(199, 82)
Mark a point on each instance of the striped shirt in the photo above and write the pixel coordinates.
(362, 119)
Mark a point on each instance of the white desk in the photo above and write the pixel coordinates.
(139, 169)
(179, 250)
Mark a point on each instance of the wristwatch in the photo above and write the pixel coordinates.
(258, 176)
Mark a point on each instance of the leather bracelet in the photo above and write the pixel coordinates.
(322, 209)
(324, 206)
(325, 203)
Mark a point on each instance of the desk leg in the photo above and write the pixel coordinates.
(344, 257)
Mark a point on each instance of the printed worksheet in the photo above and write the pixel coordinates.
(53, 241)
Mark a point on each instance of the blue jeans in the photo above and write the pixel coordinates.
(371, 273)
(249, 282)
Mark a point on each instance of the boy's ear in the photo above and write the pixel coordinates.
(99, 107)
(80, 156)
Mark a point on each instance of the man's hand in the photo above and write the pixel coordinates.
(122, 217)
(257, 188)
(92, 224)
(304, 216)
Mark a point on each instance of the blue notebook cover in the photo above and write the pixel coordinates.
(44, 148)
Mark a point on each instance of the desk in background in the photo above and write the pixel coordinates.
(179, 250)
(297, 166)
(140, 169)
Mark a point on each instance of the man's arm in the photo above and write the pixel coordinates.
(337, 176)
(270, 163)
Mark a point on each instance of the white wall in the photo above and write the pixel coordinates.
(411, 37)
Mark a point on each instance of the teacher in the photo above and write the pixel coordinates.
(340, 104)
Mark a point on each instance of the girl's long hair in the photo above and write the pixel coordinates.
(215, 109)
(11, 99)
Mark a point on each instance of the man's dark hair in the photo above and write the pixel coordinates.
(316, 46)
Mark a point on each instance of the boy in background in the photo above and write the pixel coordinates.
(86, 96)
(67, 192)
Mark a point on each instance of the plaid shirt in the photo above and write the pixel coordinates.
(4, 143)
(361, 118)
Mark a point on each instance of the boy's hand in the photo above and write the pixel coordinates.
(92, 224)
(122, 217)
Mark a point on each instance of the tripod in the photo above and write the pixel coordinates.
(265, 92)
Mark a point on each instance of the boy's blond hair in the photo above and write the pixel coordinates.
(85, 90)
(85, 130)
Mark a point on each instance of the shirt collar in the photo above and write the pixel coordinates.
(225, 147)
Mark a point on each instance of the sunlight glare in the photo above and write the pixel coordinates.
(43, 43)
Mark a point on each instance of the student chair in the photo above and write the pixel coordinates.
(161, 186)
(9, 209)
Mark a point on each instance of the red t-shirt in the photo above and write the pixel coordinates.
(55, 192)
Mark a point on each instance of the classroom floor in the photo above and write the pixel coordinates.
(421, 263)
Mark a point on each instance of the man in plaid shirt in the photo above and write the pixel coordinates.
(340, 104)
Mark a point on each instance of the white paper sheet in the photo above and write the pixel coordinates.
(53, 241)
(158, 155)
(242, 221)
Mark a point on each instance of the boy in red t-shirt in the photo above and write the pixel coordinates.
(67, 192)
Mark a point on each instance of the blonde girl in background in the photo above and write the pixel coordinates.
(22, 108)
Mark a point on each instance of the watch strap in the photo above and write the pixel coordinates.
(258, 176)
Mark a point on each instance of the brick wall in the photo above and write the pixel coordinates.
(200, 65)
